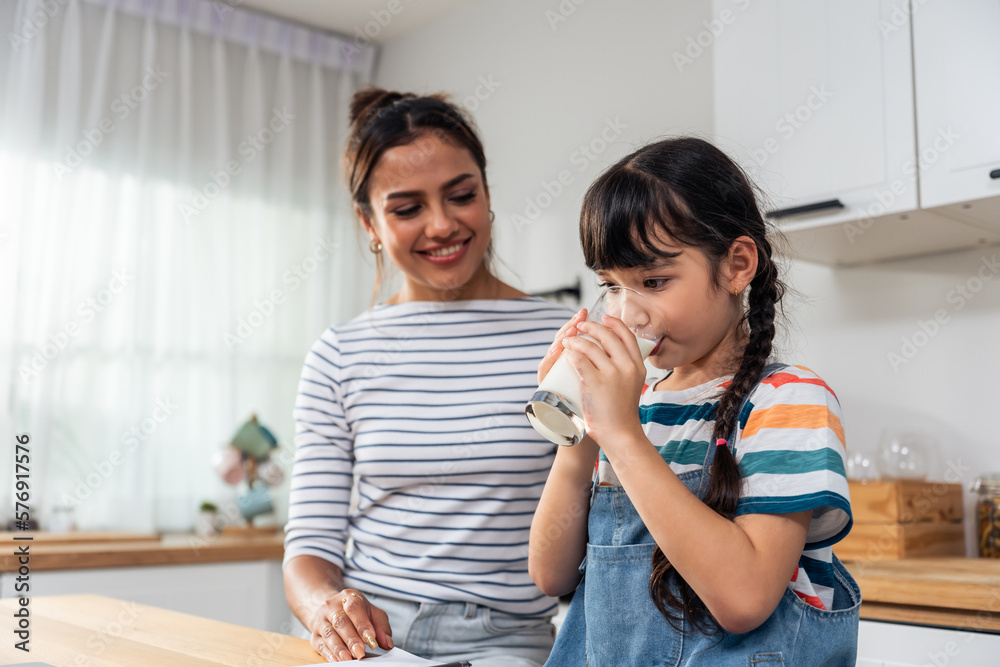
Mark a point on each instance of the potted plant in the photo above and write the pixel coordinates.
(204, 525)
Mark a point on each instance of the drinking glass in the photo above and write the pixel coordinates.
(555, 409)
(903, 455)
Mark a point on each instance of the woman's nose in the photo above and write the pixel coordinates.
(441, 225)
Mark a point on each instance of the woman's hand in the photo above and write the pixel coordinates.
(611, 379)
(344, 623)
(568, 329)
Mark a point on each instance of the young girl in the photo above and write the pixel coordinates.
(706, 538)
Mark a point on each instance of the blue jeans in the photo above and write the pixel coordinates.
(455, 631)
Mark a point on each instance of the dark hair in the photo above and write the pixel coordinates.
(690, 191)
(382, 119)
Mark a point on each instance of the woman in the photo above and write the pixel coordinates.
(422, 399)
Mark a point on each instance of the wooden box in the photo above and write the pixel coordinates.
(903, 519)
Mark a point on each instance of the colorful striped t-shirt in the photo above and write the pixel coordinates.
(790, 449)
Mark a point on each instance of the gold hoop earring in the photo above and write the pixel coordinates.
(736, 291)
(375, 246)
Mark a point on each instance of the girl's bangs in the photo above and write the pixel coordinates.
(622, 212)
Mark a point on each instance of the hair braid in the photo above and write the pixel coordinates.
(723, 493)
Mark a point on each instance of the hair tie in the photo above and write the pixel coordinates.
(721, 442)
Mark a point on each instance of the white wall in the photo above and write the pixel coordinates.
(614, 59)
(558, 85)
(848, 323)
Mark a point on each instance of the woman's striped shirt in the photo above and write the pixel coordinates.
(422, 403)
(791, 452)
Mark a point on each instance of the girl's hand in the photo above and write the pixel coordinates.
(611, 379)
(568, 329)
(345, 623)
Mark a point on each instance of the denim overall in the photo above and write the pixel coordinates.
(626, 628)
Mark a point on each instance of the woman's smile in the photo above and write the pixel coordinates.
(443, 255)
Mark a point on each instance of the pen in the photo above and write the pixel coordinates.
(461, 663)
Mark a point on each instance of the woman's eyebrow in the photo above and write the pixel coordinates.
(413, 193)
(455, 181)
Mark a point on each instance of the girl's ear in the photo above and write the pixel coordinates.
(741, 263)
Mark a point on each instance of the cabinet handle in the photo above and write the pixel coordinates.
(995, 173)
(808, 208)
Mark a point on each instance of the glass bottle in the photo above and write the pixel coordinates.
(988, 515)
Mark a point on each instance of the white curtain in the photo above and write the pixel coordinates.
(174, 236)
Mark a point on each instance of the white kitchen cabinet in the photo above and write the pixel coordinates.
(956, 51)
(882, 644)
(249, 593)
(816, 100)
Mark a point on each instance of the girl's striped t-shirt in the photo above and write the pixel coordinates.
(791, 452)
(422, 405)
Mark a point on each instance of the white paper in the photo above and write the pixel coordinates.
(397, 657)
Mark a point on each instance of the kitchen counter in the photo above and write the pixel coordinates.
(100, 550)
(98, 630)
(945, 592)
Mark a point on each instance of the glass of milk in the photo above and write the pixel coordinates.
(555, 408)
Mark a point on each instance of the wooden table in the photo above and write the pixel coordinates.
(946, 592)
(97, 631)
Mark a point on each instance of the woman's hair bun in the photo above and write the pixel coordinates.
(369, 101)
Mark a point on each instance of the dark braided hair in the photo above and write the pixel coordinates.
(689, 190)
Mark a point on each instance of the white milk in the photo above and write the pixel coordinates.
(563, 381)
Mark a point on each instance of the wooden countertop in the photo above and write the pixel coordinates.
(72, 551)
(947, 592)
(98, 631)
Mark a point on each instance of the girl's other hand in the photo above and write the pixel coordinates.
(611, 378)
(568, 329)
(345, 623)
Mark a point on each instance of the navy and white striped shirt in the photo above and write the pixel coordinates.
(423, 403)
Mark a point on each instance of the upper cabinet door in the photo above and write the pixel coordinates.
(816, 99)
(956, 49)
